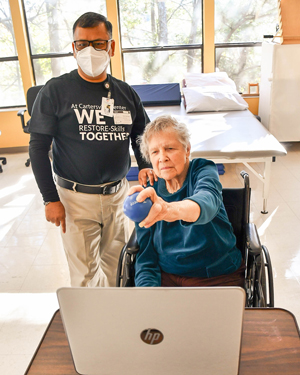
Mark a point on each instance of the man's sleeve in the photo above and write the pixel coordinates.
(39, 147)
(139, 124)
(147, 270)
(43, 118)
(42, 128)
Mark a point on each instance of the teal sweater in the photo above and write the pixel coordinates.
(205, 248)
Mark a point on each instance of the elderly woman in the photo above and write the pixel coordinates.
(186, 239)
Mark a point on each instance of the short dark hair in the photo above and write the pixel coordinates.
(91, 19)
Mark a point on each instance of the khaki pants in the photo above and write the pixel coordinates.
(97, 229)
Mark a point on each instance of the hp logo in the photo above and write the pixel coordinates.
(152, 336)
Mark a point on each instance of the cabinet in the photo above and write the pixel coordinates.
(279, 103)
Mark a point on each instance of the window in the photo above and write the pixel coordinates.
(50, 33)
(239, 30)
(161, 39)
(11, 86)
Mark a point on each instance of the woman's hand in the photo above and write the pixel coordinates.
(145, 174)
(185, 210)
(159, 207)
(158, 211)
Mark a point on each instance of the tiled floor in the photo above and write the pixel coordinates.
(33, 265)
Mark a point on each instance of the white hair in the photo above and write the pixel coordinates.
(161, 124)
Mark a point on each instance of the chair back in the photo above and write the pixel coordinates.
(237, 205)
(31, 96)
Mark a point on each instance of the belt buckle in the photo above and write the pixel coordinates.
(74, 187)
(111, 189)
(104, 192)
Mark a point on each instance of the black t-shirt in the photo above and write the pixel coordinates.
(89, 147)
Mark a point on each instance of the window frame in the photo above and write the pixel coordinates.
(236, 45)
(219, 45)
(162, 48)
(51, 55)
(9, 59)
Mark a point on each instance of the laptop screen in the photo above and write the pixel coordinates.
(154, 330)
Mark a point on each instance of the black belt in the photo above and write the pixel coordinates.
(79, 188)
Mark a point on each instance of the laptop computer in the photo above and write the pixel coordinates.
(153, 331)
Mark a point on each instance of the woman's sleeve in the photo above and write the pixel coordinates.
(206, 191)
(147, 270)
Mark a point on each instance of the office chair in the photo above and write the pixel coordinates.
(259, 285)
(4, 161)
(31, 95)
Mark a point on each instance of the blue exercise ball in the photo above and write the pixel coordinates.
(136, 211)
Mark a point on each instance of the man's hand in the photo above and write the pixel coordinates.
(55, 213)
(147, 173)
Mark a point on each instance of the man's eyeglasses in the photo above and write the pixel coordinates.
(98, 44)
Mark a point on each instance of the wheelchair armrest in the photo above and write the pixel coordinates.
(126, 261)
(253, 242)
(132, 245)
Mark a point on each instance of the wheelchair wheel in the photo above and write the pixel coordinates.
(262, 285)
(256, 281)
(125, 270)
(270, 283)
(262, 294)
(264, 281)
(249, 282)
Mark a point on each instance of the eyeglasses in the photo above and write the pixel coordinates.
(98, 44)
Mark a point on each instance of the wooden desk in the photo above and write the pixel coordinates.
(270, 345)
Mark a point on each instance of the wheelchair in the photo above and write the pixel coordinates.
(259, 285)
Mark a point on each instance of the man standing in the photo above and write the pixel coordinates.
(89, 117)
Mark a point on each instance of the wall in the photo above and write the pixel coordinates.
(12, 134)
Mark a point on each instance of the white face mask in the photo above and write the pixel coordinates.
(92, 62)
